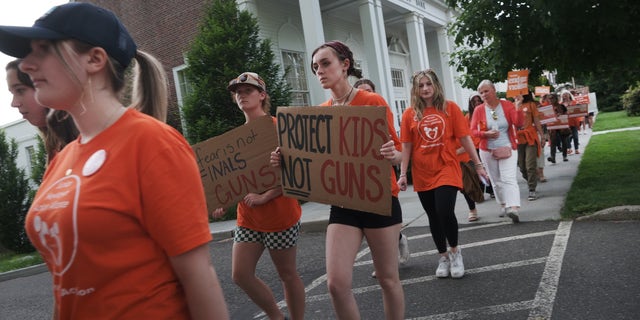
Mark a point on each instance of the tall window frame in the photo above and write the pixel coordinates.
(293, 63)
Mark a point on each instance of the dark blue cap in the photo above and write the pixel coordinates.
(81, 21)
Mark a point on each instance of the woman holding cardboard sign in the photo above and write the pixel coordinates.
(267, 220)
(431, 131)
(332, 63)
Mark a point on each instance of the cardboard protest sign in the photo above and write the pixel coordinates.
(581, 99)
(577, 110)
(542, 90)
(517, 82)
(332, 155)
(562, 122)
(237, 162)
(547, 115)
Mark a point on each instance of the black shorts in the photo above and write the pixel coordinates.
(362, 219)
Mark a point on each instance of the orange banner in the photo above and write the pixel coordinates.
(542, 90)
(517, 82)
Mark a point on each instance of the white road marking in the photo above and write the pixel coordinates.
(542, 305)
(546, 294)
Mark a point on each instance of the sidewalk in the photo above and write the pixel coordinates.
(547, 207)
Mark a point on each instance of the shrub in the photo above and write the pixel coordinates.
(14, 199)
(631, 100)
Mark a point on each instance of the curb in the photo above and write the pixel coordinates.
(620, 213)
(24, 272)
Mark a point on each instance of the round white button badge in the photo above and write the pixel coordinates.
(94, 163)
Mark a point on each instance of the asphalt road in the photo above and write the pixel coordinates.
(532, 270)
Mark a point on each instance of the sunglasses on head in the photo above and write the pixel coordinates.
(245, 76)
(427, 72)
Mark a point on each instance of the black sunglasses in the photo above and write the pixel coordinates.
(245, 76)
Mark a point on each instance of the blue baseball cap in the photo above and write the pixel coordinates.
(81, 21)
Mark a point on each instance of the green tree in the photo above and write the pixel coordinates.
(39, 162)
(14, 199)
(585, 39)
(227, 45)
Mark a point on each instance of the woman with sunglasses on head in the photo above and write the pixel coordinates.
(122, 234)
(495, 124)
(431, 131)
(267, 220)
(332, 63)
(56, 129)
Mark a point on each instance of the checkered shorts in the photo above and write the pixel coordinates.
(271, 240)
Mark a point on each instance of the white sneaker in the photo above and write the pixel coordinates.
(457, 266)
(443, 267)
(403, 245)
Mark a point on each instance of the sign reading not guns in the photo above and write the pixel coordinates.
(332, 155)
(237, 162)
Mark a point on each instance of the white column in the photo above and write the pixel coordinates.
(447, 77)
(417, 42)
(375, 42)
(313, 37)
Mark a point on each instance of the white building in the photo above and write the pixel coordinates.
(390, 39)
(26, 136)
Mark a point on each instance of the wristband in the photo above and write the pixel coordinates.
(403, 175)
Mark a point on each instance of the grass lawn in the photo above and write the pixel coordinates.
(608, 175)
(10, 261)
(615, 120)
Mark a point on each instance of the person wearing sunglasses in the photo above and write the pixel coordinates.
(267, 220)
(123, 235)
(332, 63)
(431, 131)
(495, 123)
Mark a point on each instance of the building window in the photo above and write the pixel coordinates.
(397, 78)
(293, 63)
(401, 106)
(183, 87)
(31, 157)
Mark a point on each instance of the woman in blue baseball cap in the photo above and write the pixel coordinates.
(120, 217)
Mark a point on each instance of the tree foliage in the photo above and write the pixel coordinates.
(227, 45)
(39, 162)
(14, 199)
(584, 39)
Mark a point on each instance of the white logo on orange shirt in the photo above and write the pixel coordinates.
(431, 129)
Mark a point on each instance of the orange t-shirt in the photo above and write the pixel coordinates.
(476, 140)
(279, 213)
(435, 137)
(108, 215)
(365, 98)
(527, 133)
